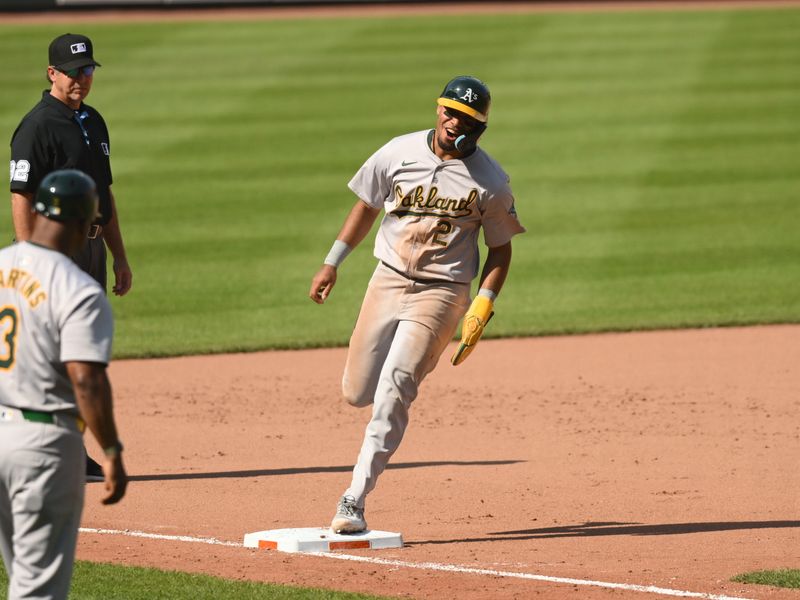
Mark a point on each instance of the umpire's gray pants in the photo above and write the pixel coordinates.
(41, 499)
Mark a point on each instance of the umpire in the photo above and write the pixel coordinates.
(61, 132)
(57, 330)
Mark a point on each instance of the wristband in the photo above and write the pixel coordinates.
(338, 253)
(486, 293)
(114, 450)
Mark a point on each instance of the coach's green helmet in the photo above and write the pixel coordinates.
(67, 195)
(468, 95)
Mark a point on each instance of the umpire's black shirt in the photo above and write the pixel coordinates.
(52, 136)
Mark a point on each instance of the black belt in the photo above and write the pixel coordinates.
(94, 231)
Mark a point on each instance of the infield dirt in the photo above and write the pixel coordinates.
(661, 458)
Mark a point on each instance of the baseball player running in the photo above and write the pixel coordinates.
(55, 342)
(437, 188)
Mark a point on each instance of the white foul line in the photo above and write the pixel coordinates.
(158, 536)
(456, 569)
(428, 566)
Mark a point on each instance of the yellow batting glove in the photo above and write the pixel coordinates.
(475, 320)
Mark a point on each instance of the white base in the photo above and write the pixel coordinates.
(320, 539)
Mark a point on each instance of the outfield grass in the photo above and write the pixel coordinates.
(92, 581)
(653, 156)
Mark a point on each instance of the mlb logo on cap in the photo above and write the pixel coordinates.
(71, 51)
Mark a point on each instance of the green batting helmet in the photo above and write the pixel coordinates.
(67, 195)
(468, 95)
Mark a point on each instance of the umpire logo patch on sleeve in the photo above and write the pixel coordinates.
(104, 146)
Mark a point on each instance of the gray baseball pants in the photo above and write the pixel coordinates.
(402, 329)
(41, 500)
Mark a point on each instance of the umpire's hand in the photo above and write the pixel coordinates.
(123, 278)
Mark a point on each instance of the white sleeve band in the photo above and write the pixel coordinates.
(488, 293)
(338, 253)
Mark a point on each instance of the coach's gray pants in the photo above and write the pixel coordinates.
(41, 498)
(402, 330)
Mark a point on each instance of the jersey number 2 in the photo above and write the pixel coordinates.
(8, 331)
(442, 228)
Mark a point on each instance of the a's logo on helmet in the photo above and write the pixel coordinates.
(469, 96)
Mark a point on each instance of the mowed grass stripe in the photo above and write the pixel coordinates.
(708, 256)
(651, 153)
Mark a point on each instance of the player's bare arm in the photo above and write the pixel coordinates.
(93, 396)
(495, 269)
(356, 227)
(22, 214)
(123, 278)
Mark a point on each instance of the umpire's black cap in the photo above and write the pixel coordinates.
(71, 51)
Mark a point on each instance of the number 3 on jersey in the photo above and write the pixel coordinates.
(443, 228)
(8, 337)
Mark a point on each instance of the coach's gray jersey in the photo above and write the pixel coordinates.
(435, 208)
(51, 313)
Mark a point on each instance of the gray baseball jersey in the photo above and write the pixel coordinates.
(51, 312)
(434, 208)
